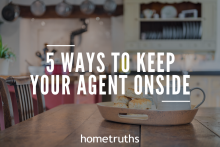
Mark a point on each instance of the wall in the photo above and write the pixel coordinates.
(217, 54)
(33, 36)
(117, 38)
(117, 34)
(16, 35)
(10, 32)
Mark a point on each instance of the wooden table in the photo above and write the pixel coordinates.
(63, 126)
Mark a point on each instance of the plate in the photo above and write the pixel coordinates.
(184, 31)
(145, 117)
(169, 11)
(200, 31)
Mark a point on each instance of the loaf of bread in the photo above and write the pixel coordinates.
(131, 94)
(122, 99)
(120, 105)
(140, 104)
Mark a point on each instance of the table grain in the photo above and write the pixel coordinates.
(63, 126)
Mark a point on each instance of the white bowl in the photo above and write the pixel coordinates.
(36, 70)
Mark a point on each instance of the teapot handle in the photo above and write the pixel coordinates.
(203, 96)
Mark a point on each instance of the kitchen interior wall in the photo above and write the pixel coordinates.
(117, 34)
(34, 33)
(117, 39)
(10, 36)
(217, 53)
(17, 35)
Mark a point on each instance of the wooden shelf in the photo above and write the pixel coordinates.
(134, 26)
(169, 19)
(99, 11)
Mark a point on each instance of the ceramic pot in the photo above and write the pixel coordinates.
(4, 65)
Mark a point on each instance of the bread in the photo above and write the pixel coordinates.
(140, 104)
(122, 99)
(120, 105)
(131, 94)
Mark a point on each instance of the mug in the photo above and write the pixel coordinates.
(171, 106)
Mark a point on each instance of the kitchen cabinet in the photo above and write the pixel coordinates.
(55, 100)
(133, 25)
(197, 95)
(210, 85)
(83, 98)
(215, 92)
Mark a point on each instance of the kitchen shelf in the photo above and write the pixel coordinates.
(170, 45)
(150, 34)
(169, 19)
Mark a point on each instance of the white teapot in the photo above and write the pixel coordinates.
(170, 102)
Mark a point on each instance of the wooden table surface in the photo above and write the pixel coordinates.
(63, 126)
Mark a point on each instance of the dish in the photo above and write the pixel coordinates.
(168, 12)
(36, 70)
(150, 117)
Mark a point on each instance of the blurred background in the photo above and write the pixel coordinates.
(189, 29)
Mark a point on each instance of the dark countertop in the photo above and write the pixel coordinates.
(193, 73)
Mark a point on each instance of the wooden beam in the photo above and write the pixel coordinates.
(25, 12)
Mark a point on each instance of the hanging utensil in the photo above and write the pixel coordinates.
(63, 8)
(110, 6)
(38, 54)
(87, 7)
(54, 51)
(10, 12)
(38, 7)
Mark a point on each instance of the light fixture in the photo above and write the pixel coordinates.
(38, 7)
(87, 7)
(63, 8)
(110, 6)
